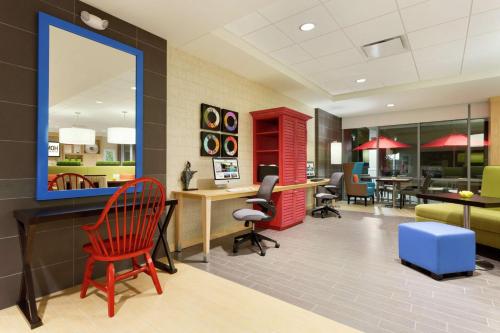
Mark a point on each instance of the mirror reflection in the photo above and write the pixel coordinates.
(92, 112)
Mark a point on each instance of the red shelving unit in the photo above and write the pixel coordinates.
(280, 138)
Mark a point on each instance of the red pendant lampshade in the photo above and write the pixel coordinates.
(383, 143)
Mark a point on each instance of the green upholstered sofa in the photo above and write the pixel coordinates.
(484, 221)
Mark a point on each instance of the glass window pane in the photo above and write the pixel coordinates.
(398, 151)
(443, 153)
(479, 152)
(354, 138)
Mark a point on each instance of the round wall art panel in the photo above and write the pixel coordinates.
(229, 146)
(210, 144)
(210, 117)
(229, 121)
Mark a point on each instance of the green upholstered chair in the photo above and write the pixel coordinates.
(484, 221)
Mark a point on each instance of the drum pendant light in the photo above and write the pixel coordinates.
(75, 135)
(121, 135)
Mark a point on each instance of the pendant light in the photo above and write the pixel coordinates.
(76, 135)
(121, 135)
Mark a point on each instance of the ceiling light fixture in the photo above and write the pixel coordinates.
(390, 105)
(77, 135)
(362, 80)
(98, 102)
(307, 26)
(133, 88)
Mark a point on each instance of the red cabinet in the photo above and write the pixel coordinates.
(280, 138)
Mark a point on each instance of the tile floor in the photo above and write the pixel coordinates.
(348, 270)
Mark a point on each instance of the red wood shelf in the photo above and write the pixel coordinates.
(280, 138)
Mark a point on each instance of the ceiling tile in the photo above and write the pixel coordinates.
(247, 24)
(317, 15)
(434, 12)
(308, 67)
(326, 44)
(268, 39)
(349, 12)
(341, 59)
(396, 69)
(440, 60)
(380, 28)
(482, 53)
(408, 3)
(479, 6)
(484, 22)
(291, 55)
(281, 9)
(438, 34)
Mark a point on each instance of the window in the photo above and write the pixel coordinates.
(398, 151)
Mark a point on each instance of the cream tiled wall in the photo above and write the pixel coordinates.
(190, 82)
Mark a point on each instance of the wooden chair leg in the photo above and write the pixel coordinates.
(87, 276)
(135, 265)
(152, 273)
(110, 287)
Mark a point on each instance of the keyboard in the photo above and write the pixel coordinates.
(316, 179)
(240, 189)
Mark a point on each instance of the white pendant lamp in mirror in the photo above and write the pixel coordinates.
(76, 135)
(121, 135)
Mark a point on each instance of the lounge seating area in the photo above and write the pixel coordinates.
(250, 166)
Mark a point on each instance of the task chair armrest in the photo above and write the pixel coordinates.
(255, 200)
(330, 186)
(268, 208)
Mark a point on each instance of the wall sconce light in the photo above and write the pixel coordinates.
(93, 21)
(336, 153)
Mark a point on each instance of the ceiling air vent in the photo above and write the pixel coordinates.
(384, 48)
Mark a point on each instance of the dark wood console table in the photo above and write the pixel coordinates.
(28, 219)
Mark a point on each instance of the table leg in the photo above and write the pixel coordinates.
(467, 216)
(178, 223)
(170, 268)
(206, 217)
(27, 302)
(377, 190)
(394, 191)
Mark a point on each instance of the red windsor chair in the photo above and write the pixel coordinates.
(70, 181)
(125, 230)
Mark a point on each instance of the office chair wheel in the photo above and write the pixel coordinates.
(339, 217)
(322, 215)
(277, 245)
(262, 254)
(235, 249)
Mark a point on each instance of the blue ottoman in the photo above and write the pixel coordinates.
(437, 247)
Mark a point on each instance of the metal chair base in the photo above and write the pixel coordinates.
(255, 239)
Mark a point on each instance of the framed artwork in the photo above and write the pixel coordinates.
(210, 117)
(229, 121)
(210, 144)
(229, 146)
(109, 155)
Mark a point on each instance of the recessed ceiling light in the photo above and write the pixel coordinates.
(99, 102)
(307, 26)
(133, 88)
(390, 105)
(362, 80)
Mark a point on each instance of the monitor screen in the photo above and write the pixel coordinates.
(226, 168)
(310, 172)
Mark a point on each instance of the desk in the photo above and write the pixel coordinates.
(207, 196)
(28, 219)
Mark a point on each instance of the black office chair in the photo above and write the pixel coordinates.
(263, 199)
(332, 193)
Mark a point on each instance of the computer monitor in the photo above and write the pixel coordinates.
(310, 171)
(226, 170)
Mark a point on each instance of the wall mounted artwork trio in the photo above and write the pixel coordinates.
(219, 129)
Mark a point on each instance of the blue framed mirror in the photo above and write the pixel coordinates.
(90, 119)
